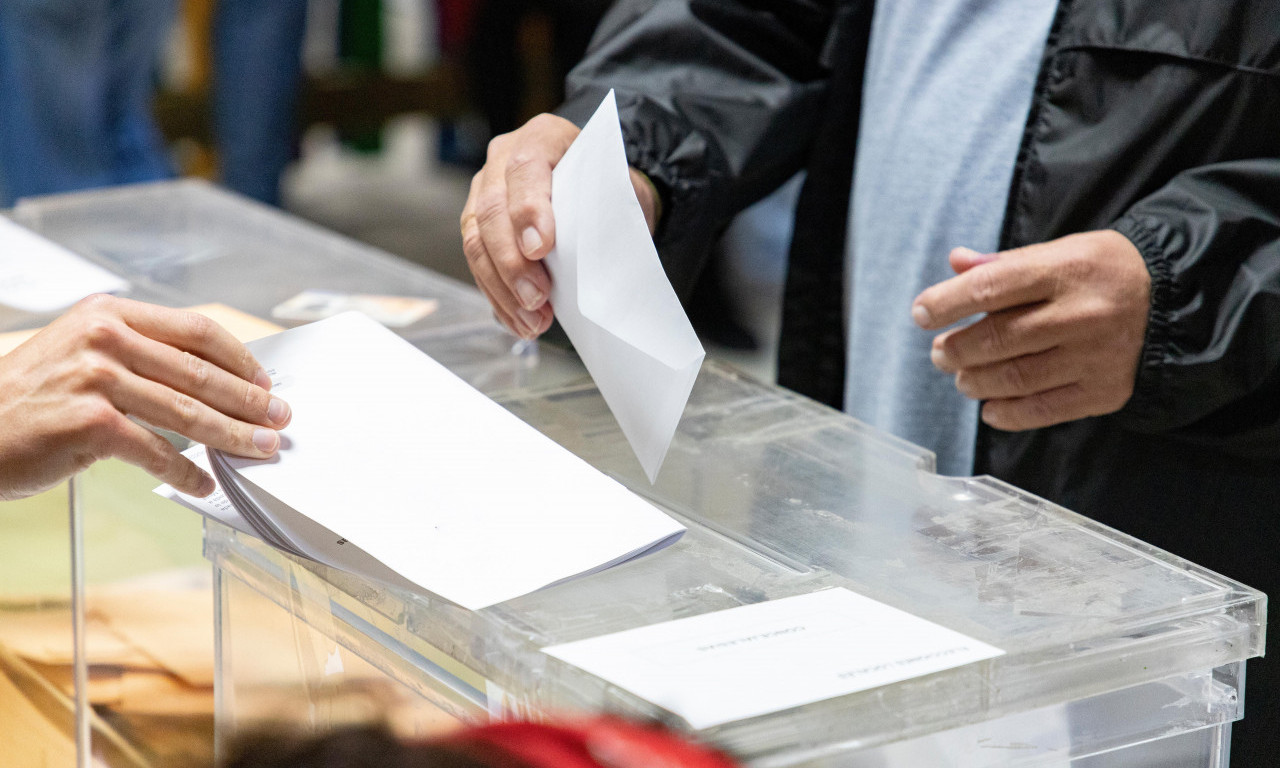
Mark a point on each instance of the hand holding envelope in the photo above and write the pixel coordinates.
(611, 295)
(548, 181)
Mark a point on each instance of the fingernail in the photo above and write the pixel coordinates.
(262, 379)
(207, 485)
(939, 358)
(265, 440)
(532, 321)
(530, 296)
(921, 316)
(277, 411)
(530, 240)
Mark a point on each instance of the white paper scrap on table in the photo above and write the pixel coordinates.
(612, 296)
(407, 462)
(38, 275)
(755, 659)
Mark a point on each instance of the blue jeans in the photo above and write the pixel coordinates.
(76, 82)
(257, 75)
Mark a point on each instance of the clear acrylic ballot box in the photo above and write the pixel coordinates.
(1114, 653)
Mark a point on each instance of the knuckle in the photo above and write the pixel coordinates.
(993, 337)
(238, 434)
(1015, 377)
(200, 328)
(473, 245)
(983, 287)
(541, 121)
(248, 363)
(99, 418)
(255, 399)
(156, 463)
(491, 206)
(497, 146)
(185, 410)
(521, 162)
(102, 333)
(199, 372)
(97, 302)
(524, 209)
(1039, 411)
(99, 373)
(1095, 309)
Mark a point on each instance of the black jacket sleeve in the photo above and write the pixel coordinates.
(718, 100)
(1210, 368)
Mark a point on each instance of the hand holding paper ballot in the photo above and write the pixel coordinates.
(70, 393)
(387, 471)
(571, 202)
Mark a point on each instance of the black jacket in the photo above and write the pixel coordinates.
(1158, 118)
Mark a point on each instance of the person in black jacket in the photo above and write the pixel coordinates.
(1126, 272)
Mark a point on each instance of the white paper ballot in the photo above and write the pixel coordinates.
(38, 275)
(612, 296)
(755, 659)
(216, 505)
(396, 469)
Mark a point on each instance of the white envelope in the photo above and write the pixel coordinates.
(612, 296)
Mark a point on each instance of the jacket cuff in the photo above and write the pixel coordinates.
(1149, 404)
(680, 163)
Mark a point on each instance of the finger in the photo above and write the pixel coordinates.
(998, 336)
(543, 141)
(964, 259)
(141, 447)
(990, 287)
(196, 334)
(1017, 377)
(166, 408)
(488, 238)
(201, 379)
(524, 323)
(525, 283)
(1043, 409)
(501, 316)
(478, 261)
(527, 325)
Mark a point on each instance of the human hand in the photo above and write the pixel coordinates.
(66, 393)
(508, 226)
(1063, 332)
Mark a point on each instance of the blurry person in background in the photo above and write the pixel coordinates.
(498, 81)
(257, 80)
(76, 84)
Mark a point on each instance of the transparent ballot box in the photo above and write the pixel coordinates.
(1114, 653)
(145, 594)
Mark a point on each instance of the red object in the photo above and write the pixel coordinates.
(606, 742)
(455, 20)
